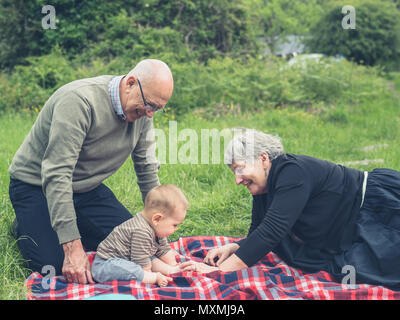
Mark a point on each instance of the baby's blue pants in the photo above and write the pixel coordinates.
(104, 270)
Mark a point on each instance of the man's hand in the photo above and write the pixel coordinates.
(76, 267)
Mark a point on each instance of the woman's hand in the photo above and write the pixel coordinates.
(220, 253)
(197, 267)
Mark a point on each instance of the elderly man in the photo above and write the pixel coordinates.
(84, 133)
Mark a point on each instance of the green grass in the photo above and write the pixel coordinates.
(217, 205)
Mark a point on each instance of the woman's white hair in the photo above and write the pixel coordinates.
(248, 144)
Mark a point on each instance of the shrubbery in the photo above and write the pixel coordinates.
(215, 87)
(207, 27)
(375, 39)
(123, 39)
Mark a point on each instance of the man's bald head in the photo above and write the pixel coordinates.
(149, 70)
(157, 84)
(154, 73)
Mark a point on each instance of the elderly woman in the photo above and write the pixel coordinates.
(314, 214)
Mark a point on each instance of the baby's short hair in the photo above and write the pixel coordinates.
(165, 198)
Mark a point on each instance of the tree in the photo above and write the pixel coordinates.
(19, 34)
(375, 39)
(210, 27)
(277, 19)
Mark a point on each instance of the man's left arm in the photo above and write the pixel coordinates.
(144, 159)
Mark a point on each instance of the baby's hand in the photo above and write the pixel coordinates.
(162, 280)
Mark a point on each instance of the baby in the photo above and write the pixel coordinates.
(138, 248)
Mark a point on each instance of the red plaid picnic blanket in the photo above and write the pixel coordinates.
(271, 278)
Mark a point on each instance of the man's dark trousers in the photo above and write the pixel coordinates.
(97, 211)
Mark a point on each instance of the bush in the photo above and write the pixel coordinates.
(226, 84)
(374, 41)
(219, 86)
(29, 86)
(124, 39)
(22, 35)
(208, 27)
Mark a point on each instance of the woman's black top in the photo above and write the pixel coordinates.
(316, 200)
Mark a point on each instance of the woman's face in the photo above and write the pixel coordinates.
(253, 175)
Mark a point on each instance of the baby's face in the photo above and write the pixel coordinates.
(169, 224)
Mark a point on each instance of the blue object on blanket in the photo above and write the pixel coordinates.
(112, 296)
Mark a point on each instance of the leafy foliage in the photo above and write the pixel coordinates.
(209, 27)
(375, 40)
(276, 19)
(220, 86)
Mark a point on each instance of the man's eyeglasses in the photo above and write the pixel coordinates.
(148, 106)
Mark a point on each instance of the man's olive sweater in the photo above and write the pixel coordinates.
(76, 143)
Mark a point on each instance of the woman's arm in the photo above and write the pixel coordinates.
(227, 260)
(291, 194)
(222, 253)
(233, 263)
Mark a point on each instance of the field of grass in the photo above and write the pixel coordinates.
(217, 206)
